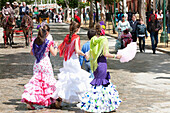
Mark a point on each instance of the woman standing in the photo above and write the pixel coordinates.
(123, 25)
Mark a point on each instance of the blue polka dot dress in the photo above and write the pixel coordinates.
(102, 96)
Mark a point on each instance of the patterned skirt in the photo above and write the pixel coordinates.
(100, 99)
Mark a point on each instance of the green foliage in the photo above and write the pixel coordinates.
(83, 5)
(61, 2)
(111, 1)
(73, 3)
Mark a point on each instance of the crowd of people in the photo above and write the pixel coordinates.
(137, 30)
(18, 10)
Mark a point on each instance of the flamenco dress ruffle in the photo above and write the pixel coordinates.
(102, 96)
(72, 81)
(42, 85)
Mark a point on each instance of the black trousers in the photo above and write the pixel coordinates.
(134, 37)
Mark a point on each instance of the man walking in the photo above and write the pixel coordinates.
(153, 27)
(133, 24)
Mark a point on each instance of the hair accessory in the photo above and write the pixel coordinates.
(102, 32)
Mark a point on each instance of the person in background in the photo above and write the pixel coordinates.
(7, 10)
(160, 17)
(23, 9)
(153, 28)
(168, 21)
(59, 18)
(86, 48)
(141, 32)
(123, 25)
(155, 15)
(133, 24)
(126, 38)
(16, 9)
(30, 13)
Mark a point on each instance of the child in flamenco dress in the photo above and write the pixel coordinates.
(39, 89)
(72, 80)
(102, 96)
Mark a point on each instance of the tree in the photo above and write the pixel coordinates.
(81, 6)
(91, 25)
(68, 4)
(141, 9)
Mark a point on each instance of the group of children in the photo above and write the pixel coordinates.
(91, 89)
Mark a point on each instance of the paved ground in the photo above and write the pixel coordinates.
(143, 84)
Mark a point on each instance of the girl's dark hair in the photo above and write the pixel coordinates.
(98, 29)
(91, 33)
(126, 31)
(41, 37)
(46, 27)
(73, 28)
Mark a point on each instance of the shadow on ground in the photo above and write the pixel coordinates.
(144, 62)
(20, 106)
(15, 65)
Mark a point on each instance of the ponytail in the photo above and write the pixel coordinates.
(74, 26)
(41, 36)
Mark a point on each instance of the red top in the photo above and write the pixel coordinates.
(151, 15)
(67, 48)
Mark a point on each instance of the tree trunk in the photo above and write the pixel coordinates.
(82, 21)
(149, 5)
(154, 4)
(97, 12)
(102, 11)
(91, 25)
(141, 9)
(72, 13)
(67, 10)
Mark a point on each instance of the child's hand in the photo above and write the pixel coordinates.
(118, 56)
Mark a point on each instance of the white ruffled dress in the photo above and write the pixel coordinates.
(72, 81)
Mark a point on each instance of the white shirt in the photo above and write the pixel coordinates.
(159, 16)
(49, 37)
(23, 9)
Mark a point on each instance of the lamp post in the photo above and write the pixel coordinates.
(115, 13)
(164, 36)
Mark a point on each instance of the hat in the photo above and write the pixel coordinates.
(15, 3)
(7, 3)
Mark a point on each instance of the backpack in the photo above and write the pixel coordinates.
(141, 29)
